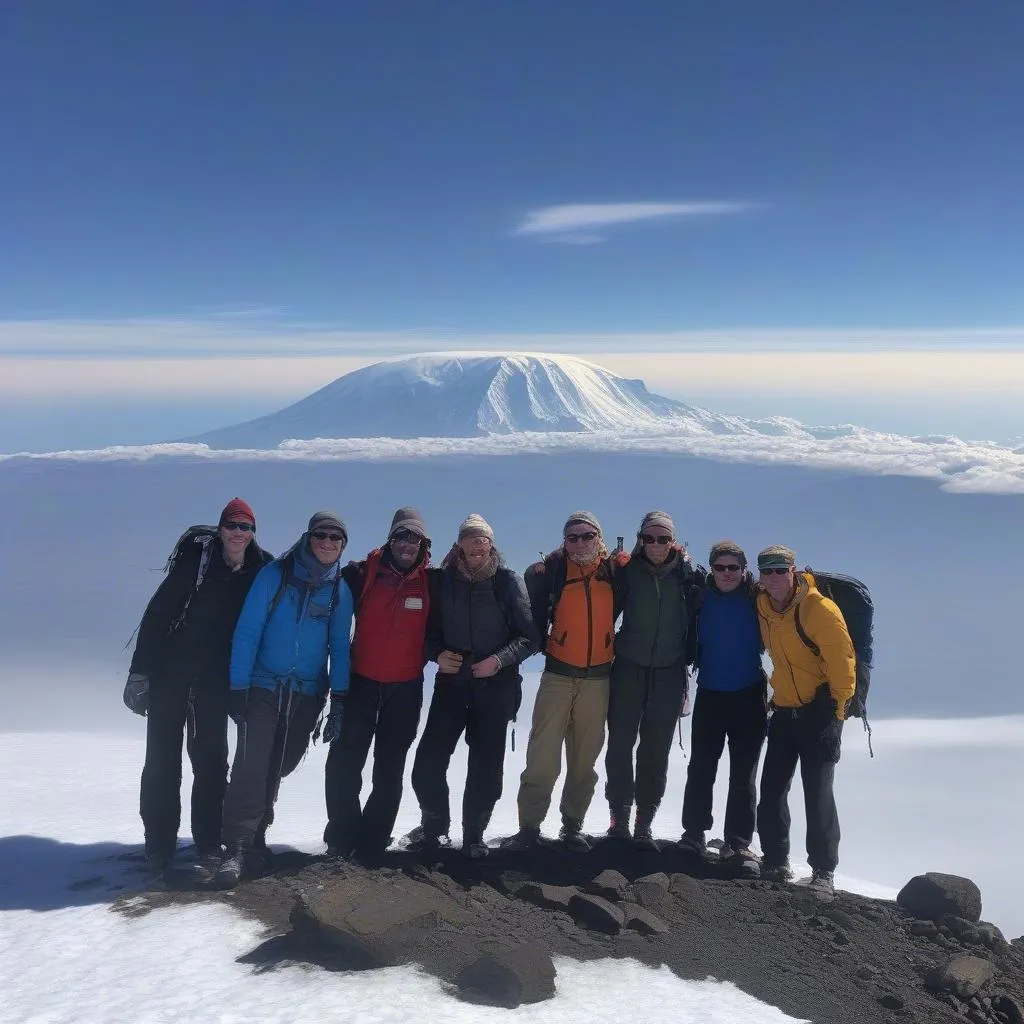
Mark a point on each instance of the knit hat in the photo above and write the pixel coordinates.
(776, 557)
(587, 518)
(408, 519)
(727, 547)
(475, 525)
(320, 520)
(235, 511)
(662, 519)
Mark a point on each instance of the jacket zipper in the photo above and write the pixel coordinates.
(590, 621)
(657, 627)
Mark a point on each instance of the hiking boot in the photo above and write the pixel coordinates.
(642, 835)
(157, 866)
(822, 882)
(207, 863)
(476, 849)
(419, 840)
(572, 837)
(233, 866)
(741, 862)
(692, 844)
(526, 840)
(776, 871)
(618, 827)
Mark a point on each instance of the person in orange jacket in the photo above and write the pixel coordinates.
(574, 606)
(810, 692)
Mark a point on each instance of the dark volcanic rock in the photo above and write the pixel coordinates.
(368, 918)
(637, 919)
(963, 975)
(650, 891)
(596, 913)
(550, 897)
(523, 974)
(609, 884)
(934, 895)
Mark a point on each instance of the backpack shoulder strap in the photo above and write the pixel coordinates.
(502, 581)
(807, 641)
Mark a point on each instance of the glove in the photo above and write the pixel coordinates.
(830, 740)
(238, 701)
(136, 693)
(335, 717)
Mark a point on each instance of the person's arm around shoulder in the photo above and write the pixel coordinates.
(537, 580)
(525, 640)
(250, 626)
(341, 633)
(354, 574)
(827, 628)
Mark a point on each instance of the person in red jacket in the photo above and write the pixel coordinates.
(385, 693)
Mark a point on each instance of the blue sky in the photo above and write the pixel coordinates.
(451, 169)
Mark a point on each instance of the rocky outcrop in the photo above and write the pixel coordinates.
(935, 896)
(490, 928)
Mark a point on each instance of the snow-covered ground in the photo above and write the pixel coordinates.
(70, 807)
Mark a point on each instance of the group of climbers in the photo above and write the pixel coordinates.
(233, 633)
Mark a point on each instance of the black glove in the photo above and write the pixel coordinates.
(830, 740)
(136, 693)
(238, 701)
(332, 724)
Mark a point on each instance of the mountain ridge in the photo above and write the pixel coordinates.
(470, 394)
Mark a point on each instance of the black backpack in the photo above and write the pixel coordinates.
(854, 601)
(204, 537)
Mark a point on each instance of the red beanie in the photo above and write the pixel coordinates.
(237, 509)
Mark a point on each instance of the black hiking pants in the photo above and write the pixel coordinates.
(482, 708)
(801, 736)
(739, 717)
(197, 707)
(274, 739)
(387, 715)
(644, 704)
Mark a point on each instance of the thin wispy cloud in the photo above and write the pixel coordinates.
(576, 223)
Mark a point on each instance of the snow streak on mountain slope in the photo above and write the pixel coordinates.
(470, 395)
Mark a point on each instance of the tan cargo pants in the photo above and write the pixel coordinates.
(570, 710)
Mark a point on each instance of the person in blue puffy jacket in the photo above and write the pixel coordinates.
(291, 645)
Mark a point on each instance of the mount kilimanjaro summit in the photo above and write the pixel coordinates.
(476, 395)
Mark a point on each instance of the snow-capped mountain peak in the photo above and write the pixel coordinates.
(471, 394)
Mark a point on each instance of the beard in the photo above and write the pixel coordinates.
(586, 555)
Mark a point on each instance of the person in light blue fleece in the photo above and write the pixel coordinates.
(291, 645)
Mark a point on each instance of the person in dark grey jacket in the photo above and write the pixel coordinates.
(480, 629)
(649, 677)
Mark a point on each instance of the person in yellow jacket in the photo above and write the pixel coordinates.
(810, 692)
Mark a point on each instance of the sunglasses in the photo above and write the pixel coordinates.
(334, 538)
(727, 568)
(573, 538)
(775, 572)
(407, 536)
(649, 538)
(243, 527)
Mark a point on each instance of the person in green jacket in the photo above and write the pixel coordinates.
(649, 677)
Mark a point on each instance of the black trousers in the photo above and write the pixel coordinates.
(274, 739)
(644, 704)
(796, 737)
(739, 717)
(197, 707)
(482, 708)
(388, 715)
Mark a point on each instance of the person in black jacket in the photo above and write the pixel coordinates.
(179, 680)
(480, 629)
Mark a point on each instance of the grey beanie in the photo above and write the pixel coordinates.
(662, 519)
(582, 516)
(727, 547)
(409, 519)
(474, 525)
(329, 519)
